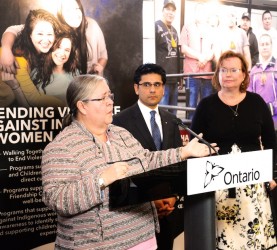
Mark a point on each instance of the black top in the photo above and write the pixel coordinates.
(219, 124)
(166, 55)
(253, 45)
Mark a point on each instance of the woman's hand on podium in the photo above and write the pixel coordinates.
(196, 149)
(116, 171)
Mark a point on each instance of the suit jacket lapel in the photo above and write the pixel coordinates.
(143, 129)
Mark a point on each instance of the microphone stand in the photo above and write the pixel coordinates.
(181, 124)
(199, 213)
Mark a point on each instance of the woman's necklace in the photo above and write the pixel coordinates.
(235, 112)
(231, 100)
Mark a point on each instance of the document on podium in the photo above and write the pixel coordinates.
(227, 171)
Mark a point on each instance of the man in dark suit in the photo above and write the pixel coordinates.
(149, 84)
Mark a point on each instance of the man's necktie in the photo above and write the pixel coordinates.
(156, 134)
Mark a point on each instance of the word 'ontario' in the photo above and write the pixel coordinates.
(241, 177)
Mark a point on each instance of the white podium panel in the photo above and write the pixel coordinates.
(227, 171)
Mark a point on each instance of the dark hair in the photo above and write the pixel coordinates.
(80, 37)
(149, 68)
(23, 45)
(244, 68)
(44, 71)
(266, 12)
(80, 88)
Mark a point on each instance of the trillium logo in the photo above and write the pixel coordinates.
(212, 171)
(228, 171)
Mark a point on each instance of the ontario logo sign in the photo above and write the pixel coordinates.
(228, 171)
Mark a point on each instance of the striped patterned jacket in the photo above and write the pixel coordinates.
(71, 165)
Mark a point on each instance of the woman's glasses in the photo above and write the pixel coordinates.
(104, 99)
(231, 71)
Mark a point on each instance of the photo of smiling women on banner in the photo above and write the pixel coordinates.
(30, 46)
(90, 50)
(58, 69)
(91, 46)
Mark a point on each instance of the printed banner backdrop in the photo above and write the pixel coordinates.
(25, 222)
(24, 219)
(121, 23)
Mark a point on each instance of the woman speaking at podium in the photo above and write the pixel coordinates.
(85, 158)
(239, 121)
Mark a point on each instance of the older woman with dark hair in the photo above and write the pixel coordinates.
(239, 121)
(85, 158)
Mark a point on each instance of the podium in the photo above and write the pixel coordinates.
(148, 186)
(208, 174)
(197, 179)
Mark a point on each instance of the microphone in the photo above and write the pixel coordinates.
(181, 124)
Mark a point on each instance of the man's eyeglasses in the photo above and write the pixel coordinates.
(104, 99)
(231, 71)
(149, 84)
